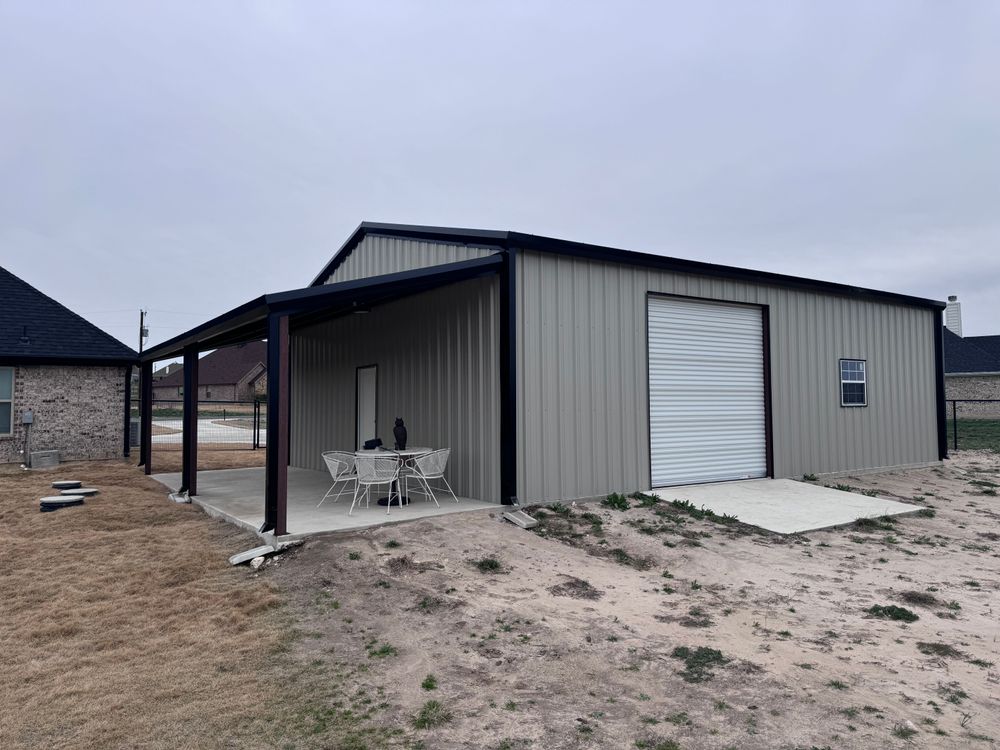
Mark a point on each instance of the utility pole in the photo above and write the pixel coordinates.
(143, 331)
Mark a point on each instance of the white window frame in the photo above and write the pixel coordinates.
(8, 430)
(863, 381)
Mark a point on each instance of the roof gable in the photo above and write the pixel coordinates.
(34, 328)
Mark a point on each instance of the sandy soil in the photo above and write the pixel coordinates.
(573, 643)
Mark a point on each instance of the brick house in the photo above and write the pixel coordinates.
(70, 375)
(234, 373)
(971, 365)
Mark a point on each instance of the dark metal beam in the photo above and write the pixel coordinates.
(508, 379)
(276, 473)
(189, 423)
(942, 407)
(146, 415)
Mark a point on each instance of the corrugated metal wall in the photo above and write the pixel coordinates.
(438, 368)
(582, 387)
(377, 255)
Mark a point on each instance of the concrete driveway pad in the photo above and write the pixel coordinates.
(785, 506)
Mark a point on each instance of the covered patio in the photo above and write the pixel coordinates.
(433, 346)
(237, 496)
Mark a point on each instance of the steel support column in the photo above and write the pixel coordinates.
(189, 423)
(942, 407)
(146, 416)
(276, 474)
(508, 378)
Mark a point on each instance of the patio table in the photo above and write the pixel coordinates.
(404, 455)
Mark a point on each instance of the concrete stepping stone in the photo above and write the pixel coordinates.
(67, 484)
(85, 491)
(55, 502)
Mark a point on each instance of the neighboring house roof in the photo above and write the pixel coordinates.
(973, 354)
(166, 370)
(226, 366)
(504, 239)
(35, 329)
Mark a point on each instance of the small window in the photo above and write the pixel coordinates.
(853, 383)
(180, 390)
(6, 400)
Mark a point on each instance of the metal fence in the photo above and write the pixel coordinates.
(222, 425)
(974, 424)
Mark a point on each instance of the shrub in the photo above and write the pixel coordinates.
(892, 612)
(616, 501)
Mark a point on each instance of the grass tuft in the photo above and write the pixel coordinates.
(892, 612)
(616, 501)
(432, 714)
(698, 663)
(488, 565)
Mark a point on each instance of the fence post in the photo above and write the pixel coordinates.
(256, 409)
(954, 421)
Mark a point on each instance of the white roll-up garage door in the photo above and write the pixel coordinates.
(706, 391)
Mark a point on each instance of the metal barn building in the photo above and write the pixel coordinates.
(562, 370)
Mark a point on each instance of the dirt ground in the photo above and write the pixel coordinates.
(654, 627)
(574, 642)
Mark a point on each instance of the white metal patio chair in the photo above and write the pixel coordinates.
(341, 467)
(427, 467)
(374, 471)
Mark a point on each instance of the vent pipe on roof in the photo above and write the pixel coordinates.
(953, 315)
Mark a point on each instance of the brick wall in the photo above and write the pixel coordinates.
(79, 411)
(973, 386)
(978, 386)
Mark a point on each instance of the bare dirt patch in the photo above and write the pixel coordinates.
(723, 637)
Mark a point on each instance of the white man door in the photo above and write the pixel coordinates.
(706, 391)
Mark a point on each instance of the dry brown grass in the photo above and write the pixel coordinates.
(124, 626)
(159, 429)
(209, 457)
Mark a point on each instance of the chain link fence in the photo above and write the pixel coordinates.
(974, 424)
(222, 425)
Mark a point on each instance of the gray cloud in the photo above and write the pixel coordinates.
(189, 157)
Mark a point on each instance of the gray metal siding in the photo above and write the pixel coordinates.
(438, 368)
(582, 385)
(378, 255)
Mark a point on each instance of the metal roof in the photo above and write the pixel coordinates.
(507, 239)
(248, 322)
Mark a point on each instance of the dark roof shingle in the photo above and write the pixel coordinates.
(36, 328)
(223, 366)
(972, 354)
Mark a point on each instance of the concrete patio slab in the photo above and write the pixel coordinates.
(237, 495)
(785, 506)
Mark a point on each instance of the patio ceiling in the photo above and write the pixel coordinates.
(249, 322)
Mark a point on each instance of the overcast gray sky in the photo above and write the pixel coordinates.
(186, 157)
